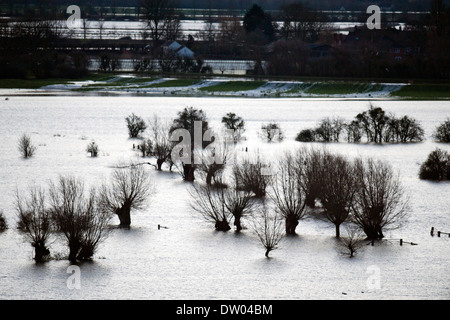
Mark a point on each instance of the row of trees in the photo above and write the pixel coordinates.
(366, 192)
(78, 215)
(374, 124)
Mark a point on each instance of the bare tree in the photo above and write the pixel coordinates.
(209, 30)
(354, 131)
(249, 175)
(301, 22)
(269, 229)
(129, 190)
(309, 163)
(209, 202)
(95, 230)
(172, 25)
(92, 148)
(25, 146)
(338, 187)
(287, 194)
(239, 204)
(157, 13)
(35, 222)
(146, 147)
(136, 125)
(374, 122)
(235, 123)
(271, 132)
(352, 241)
(160, 136)
(214, 158)
(379, 201)
(77, 215)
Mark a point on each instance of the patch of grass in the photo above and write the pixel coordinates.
(423, 91)
(234, 86)
(329, 88)
(142, 80)
(174, 83)
(298, 88)
(38, 83)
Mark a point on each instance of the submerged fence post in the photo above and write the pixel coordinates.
(439, 234)
(401, 242)
(432, 231)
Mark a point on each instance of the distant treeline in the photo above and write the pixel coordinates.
(357, 5)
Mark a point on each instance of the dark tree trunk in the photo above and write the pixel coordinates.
(237, 222)
(310, 201)
(40, 252)
(124, 216)
(209, 177)
(86, 252)
(267, 253)
(373, 233)
(159, 164)
(259, 192)
(291, 224)
(338, 230)
(188, 170)
(222, 225)
(74, 248)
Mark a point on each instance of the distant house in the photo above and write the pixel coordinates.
(178, 49)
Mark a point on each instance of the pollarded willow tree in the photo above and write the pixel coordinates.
(213, 161)
(379, 202)
(338, 187)
(352, 241)
(268, 227)
(78, 216)
(161, 144)
(251, 175)
(309, 163)
(189, 124)
(35, 222)
(129, 189)
(287, 193)
(209, 203)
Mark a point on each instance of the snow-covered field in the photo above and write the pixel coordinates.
(189, 260)
(268, 89)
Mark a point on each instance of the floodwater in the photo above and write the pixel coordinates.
(189, 260)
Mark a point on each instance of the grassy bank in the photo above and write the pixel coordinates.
(39, 83)
(228, 86)
(424, 91)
